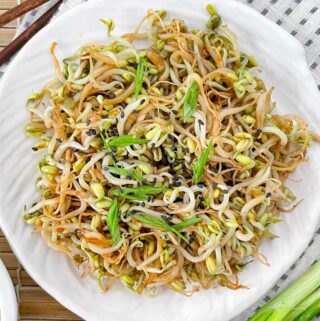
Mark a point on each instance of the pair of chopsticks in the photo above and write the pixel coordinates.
(18, 11)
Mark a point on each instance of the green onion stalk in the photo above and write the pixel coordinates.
(299, 302)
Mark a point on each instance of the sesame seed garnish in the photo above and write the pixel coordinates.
(122, 114)
(200, 121)
(268, 194)
(88, 122)
(191, 238)
(34, 149)
(175, 112)
(166, 218)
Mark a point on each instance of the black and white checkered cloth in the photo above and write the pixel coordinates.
(301, 18)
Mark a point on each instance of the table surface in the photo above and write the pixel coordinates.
(34, 302)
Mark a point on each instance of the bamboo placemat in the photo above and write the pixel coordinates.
(34, 303)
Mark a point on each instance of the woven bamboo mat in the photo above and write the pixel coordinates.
(34, 302)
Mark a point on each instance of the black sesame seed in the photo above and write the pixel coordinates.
(174, 148)
(175, 112)
(225, 191)
(103, 132)
(166, 218)
(169, 217)
(153, 145)
(200, 121)
(59, 140)
(259, 131)
(114, 149)
(93, 131)
(154, 181)
(192, 237)
(122, 114)
(142, 101)
(34, 149)
(201, 185)
(176, 184)
(112, 95)
(143, 204)
(88, 122)
(168, 241)
(268, 194)
(171, 137)
(88, 133)
(106, 168)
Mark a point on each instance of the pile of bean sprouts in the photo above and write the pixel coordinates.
(163, 166)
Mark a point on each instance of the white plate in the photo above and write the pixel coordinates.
(8, 301)
(284, 65)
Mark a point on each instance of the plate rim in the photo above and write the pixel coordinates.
(8, 304)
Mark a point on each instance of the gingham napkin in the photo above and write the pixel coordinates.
(301, 18)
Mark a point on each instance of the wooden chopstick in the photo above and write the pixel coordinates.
(20, 10)
(20, 41)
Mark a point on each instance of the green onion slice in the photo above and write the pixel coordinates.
(190, 101)
(112, 220)
(201, 163)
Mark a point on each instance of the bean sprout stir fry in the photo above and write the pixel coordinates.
(163, 166)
